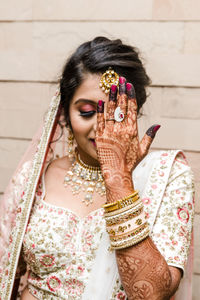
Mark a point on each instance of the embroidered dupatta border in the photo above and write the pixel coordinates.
(26, 203)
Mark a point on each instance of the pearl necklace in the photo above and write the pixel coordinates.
(88, 179)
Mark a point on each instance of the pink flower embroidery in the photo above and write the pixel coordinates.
(183, 214)
(47, 260)
(164, 236)
(161, 173)
(154, 186)
(165, 154)
(176, 258)
(53, 283)
(190, 206)
(178, 192)
(74, 287)
(163, 162)
(121, 296)
(146, 201)
(68, 270)
(174, 242)
(81, 269)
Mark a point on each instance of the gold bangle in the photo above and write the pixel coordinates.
(108, 207)
(122, 210)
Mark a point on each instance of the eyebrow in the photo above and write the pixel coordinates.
(85, 101)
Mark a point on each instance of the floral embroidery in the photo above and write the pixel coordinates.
(172, 224)
(53, 283)
(183, 214)
(65, 245)
(118, 291)
(47, 260)
(59, 249)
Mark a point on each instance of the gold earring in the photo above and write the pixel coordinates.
(70, 144)
(107, 79)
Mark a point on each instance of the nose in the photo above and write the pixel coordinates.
(95, 126)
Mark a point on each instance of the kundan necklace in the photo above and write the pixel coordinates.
(88, 179)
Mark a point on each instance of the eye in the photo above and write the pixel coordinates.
(87, 114)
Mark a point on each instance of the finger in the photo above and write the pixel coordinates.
(100, 118)
(148, 139)
(111, 105)
(132, 104)
(122, 97)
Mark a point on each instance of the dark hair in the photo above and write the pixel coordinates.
(96, 57)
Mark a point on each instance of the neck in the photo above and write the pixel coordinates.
(88, 160)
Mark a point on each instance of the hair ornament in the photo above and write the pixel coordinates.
(108, 78)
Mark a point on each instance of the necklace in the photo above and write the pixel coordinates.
(88, 179)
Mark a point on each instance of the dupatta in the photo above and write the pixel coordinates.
(18, 199)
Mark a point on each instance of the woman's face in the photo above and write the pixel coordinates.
(82, 113)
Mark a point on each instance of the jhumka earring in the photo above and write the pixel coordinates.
(70, 144)
(107, 79)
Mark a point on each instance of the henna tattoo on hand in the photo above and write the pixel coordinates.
(145, 273)
(118, 147)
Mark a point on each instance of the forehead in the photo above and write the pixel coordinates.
(89, 89)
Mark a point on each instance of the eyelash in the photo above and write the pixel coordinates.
(87, 114)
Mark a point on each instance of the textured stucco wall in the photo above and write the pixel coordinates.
(36, 38)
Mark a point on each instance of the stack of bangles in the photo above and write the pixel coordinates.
(126, 221)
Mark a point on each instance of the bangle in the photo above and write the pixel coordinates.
(126, 222)
(126, 201)
(130, 242)
(124, 216)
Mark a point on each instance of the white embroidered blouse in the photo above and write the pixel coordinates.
(61, 249)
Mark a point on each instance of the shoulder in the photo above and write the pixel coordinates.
(57, 166)
(164, 157)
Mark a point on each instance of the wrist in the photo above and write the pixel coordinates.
(118, 188)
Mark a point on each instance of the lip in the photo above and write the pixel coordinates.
(93, 142)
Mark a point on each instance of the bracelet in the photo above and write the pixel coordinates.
(130, 242)
(126, 221)
(129, 214)
(133, 225)
(121, 203)
(121, 210)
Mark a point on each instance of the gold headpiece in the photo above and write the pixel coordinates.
(107, 79)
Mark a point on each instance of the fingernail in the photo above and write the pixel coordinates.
(113, 93)
(100, 106)
(122, 80)
(130, 90)
(122, 85)
(152, 130)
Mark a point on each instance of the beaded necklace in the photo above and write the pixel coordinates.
(82, 177)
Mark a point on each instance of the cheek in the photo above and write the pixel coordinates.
(80, 126)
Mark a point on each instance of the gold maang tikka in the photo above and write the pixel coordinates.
(107, 79)
(84, 178)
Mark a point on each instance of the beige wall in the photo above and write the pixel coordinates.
(37, 36)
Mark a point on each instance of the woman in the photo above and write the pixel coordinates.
(53, 224)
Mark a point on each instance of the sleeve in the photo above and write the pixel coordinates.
(174, 222)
